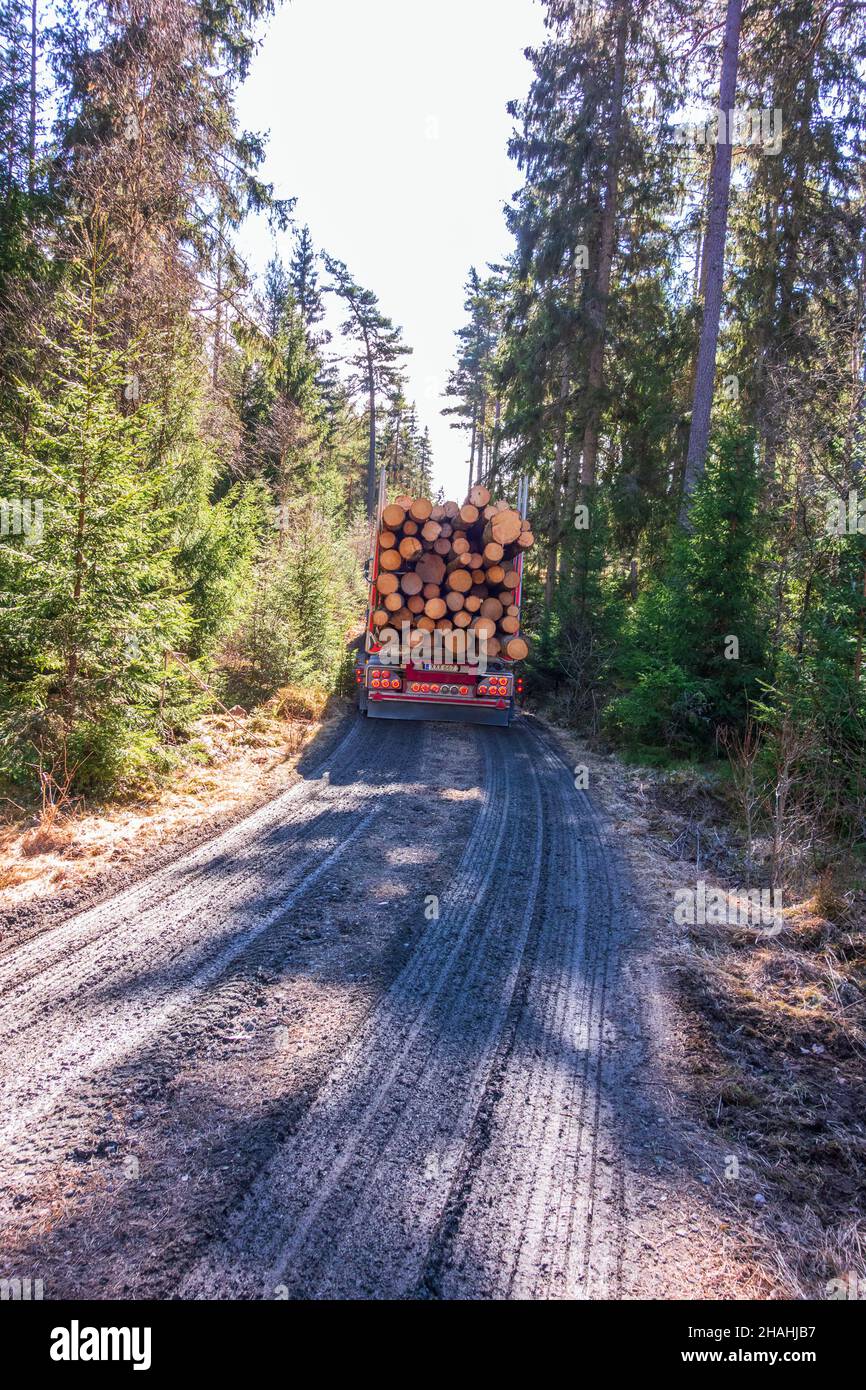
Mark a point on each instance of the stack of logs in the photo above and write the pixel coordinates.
(454, 570)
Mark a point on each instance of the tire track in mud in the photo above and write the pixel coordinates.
(460, 1137)
(124, 973)
(459, 1148)
(537, 1209)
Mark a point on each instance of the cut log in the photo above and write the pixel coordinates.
(461, 619)
(390, 560)
(511, 579)
(494, 646)
(525, 540)
(495, 574)
(492, 608)
(461, 546)
(411, 583)
(393, 516)
(435, 608)
(415, 604)
(405, 502)
(442, 546)
(431, 568)
(454, 600)
(431, 591)
(473, 603)
(468, 514)
(394, 601)
(450, 509)
(410, 527)
(426, 623)
(444, 625)
(484, 627)
(478, 576)
(513, 611)
(461, 580)
(515, 648)
(420, 509)
(479, 495)
(430, 531)
(387, 540)
(386, 583)
(504, 527)
(509, 625)
(493, 552)
(437, 514)
(380, 617)
(409, 547)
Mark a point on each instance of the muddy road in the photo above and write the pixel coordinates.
(388, 1037)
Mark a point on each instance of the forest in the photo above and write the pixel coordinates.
(672, 354)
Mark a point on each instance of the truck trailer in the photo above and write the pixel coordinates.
(479, 690)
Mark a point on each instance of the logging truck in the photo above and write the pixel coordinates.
(442, 635)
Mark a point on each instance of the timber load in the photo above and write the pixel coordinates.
(452, 568)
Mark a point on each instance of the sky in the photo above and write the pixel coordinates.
(387, 122)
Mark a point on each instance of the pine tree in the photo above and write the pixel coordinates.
(375, 360)
(304, 281)
(91, 604)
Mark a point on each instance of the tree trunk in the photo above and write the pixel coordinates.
(31, 143)
(472, 452)
(714, 254)
(371, 457)
(607, 241)
(556, 492)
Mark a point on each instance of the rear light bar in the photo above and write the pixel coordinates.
(490, 687)
(437, 688)
(493, 687)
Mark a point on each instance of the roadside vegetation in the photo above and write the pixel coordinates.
(184, 461)
(673, 353)
(700, 583)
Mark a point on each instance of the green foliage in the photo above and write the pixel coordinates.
(88, 600)
(305, 594)
(691, 647)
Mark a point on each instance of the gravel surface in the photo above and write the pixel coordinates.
(391, 1036)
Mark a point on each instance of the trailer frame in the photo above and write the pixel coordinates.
(446, 692)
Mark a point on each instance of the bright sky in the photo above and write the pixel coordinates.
(387, 121)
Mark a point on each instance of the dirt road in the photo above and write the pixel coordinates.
(384, 1038)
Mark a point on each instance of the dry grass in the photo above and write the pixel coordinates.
(225, 763)
(297, 702)
(767, 1034)
(781, 1074)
